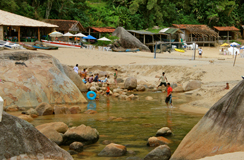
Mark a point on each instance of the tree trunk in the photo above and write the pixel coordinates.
(49, 7)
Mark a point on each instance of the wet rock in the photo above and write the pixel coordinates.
(151, 87)
(131, 152)
(134, 158)
(135, 98)
(113, 150)
(28, 118)
(116, 94)
(106, 142)
(32, 112)
(76, 146)
(122, 97)
(118, 90)
(72, 152)
(61, 110)
(165, 131)
(60, 127)
(140, 88)
(157, 141)
(52, 134)
(120, 80)
(149, 98)
(130, 83)
(82, 133)
(26, 141)
(75, 110)
(44, 109)
(193, 85)
(90, 111)
(93, 89)
(12, 108)
(159, 153)
(178, 89)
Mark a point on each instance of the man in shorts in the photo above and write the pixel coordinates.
(200, 52)
(169, 96)
(163, 80)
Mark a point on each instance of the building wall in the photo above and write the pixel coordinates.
(1, 33)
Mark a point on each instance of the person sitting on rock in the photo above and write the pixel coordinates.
(105, 80)
(76, 69)
(84, 80)
(96, 79)
(83, 73)
(227, 86)
(90, 80)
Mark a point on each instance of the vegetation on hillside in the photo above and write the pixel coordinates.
(132, 14)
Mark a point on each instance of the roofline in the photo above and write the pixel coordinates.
(54, 26)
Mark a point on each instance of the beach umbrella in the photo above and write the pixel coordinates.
(104, 39)
(68, 35)
(55, 34)
(80, 35)
(225, 45)
(89, 37)
(242, 47)
(234, 44)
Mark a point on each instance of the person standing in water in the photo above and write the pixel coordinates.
(169, 96)
(115, 77)
(76, 69)
(163, 79)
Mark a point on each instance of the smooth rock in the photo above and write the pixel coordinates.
(106, 142)
(93, 88)
(113, 150)
(12, 108)
(44, 109)
(82, 133)
(122, 97)
(20, 140)
(76, 146)
(52, 134)
(72, 152)
(32, 112)
(193, 85)
(149, 98)
(60, 127)
(118, 90)
(157, 141)
(116, 94)
(61, 110)
(28, 118)
(75, 110)
(165, 131)
(141, 88)
(120, 80)
(90, 111)
(159, 153)
(130, 83)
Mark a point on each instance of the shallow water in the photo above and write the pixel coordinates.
(129, 123)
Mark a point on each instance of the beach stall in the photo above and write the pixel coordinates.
(98, 32)
(226, 33)
(18, 28)
(198, 33)
(224, 49)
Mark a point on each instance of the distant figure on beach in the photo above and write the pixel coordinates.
(227, 86)
(115, 77)
(169, 95)
(96, 79)
(76, 69)
(108, 90)
(163, 79)
(90, 80)
(200, 52)
(105, 80)
(83, 73)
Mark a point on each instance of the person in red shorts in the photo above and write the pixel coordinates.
(108, 90)
(169, 95)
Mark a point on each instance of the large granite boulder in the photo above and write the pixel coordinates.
(75, 78)
(127, 40)
(82, 133)
(29, 78)
(113, 150)
(159, 153)
(130, 83)
(219, 131)
(60, 127)
(20, 140)
(193, 85)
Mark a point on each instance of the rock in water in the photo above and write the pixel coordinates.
(219, 131)
(20, 140)
(130, 83)
(43, 80)
(82, 133)
(127, 40)
(60, 127)
(160, 153)
(113, 150)
(75, 78)
(76, 146)
(193, 85)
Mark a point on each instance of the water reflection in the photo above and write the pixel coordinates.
(169, 118)
(108, 106)
(91, 105)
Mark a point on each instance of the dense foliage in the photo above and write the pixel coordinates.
(132, 14)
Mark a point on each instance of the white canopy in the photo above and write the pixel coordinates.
(55, 34)
(231, 49)
(234, 44)
(80, 35)
(104, 39)
(68, 35)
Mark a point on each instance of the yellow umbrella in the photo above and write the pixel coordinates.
(225, 45)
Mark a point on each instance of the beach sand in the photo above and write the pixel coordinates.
(179, 68)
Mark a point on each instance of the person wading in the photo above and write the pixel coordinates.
(169, 96)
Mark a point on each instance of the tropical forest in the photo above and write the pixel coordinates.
(132, 14)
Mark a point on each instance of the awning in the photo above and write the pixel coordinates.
(89, 37)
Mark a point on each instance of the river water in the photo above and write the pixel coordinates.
(129, 123)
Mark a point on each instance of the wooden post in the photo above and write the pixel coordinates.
(1, 33)
(203, 39)
(228, 36)
(153, 42)
(39, 36)
(89, 31)
(144, 39)
(18, 34)
(161, 47)
(191, 37)
(234, 59)
(99, 34)
(170, 40)
(134, 34)
(195, 51)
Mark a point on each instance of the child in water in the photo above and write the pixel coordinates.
(108, 90)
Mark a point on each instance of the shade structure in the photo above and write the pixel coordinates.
(233, 50)
(89, 37)
(68, 35)
(80, 35)
(225, 45)
(234, 44)
(242, 47)
(55, 34)
(104, 39)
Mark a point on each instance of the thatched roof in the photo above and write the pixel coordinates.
(10, 19)
(66, 25)
(197, 29)
(226, 28)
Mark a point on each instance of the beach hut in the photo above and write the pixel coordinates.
(201, 34)
(14, 27)
(98, 32)
(226, 33)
